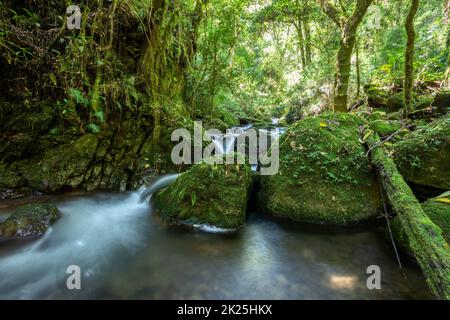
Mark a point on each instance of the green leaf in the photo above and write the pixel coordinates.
(100, 115)
(193, 198)
(93, 128)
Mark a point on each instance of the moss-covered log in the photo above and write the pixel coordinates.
(425, 238)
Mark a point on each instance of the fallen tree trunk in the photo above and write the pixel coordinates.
(425, 238)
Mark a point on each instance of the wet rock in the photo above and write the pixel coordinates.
(214, 194)
(29, 221)
(325, 176)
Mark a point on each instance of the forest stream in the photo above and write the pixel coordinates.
(225, 150)
(124, 252)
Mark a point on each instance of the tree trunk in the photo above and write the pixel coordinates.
(358, 71)
(343, 68)
(307, 33)
(425, 238)
(348, 36)
(409, 55)
(446, 22)
(301, 42)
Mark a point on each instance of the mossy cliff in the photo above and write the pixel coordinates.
(214, 194)
(30, 220)
(325, 176)
(120, 158)
(94, 107)
(423, 156)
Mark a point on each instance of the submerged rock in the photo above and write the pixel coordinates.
(423, 156)
(325, 176)
(30, 220)
(214, 194)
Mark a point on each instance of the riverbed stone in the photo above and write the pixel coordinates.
(214, 194)
(423, 156)
(30, 220)
(325, 176)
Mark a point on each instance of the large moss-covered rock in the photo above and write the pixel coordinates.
(423, 156)
(325, 176)
(214, 194)
(30, 220)
(438, 212)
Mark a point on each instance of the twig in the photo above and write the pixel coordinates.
(387, 139)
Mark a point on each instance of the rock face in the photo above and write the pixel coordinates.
(423, 156)
(207, 194)
(30, 220)
(116, 158)
(325, 176)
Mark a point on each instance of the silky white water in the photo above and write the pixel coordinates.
(125, 252)
(89, 235)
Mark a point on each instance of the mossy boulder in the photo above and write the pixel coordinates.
(29, 221)
(376, 97)
(325, 176)
(214, 194)
(423, 156)
(396, 102)
(424, 102)
(442, 100)
(438, 212)
(385, 127)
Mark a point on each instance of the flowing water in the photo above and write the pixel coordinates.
(125, 252)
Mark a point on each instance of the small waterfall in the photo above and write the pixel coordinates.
(226, 143)
(162, 182)
(218, 144)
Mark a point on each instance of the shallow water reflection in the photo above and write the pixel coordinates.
(125, 253)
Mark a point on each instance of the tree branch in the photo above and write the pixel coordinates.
(330, 11)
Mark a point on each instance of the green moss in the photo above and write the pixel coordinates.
(212, 194)
(423, 156)
(439, 213)
(424, 102)
(325, 176)
(60, 166)
(385, 127)
(29, 220)
(424, 237)
(396, 102)
(377, 97)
